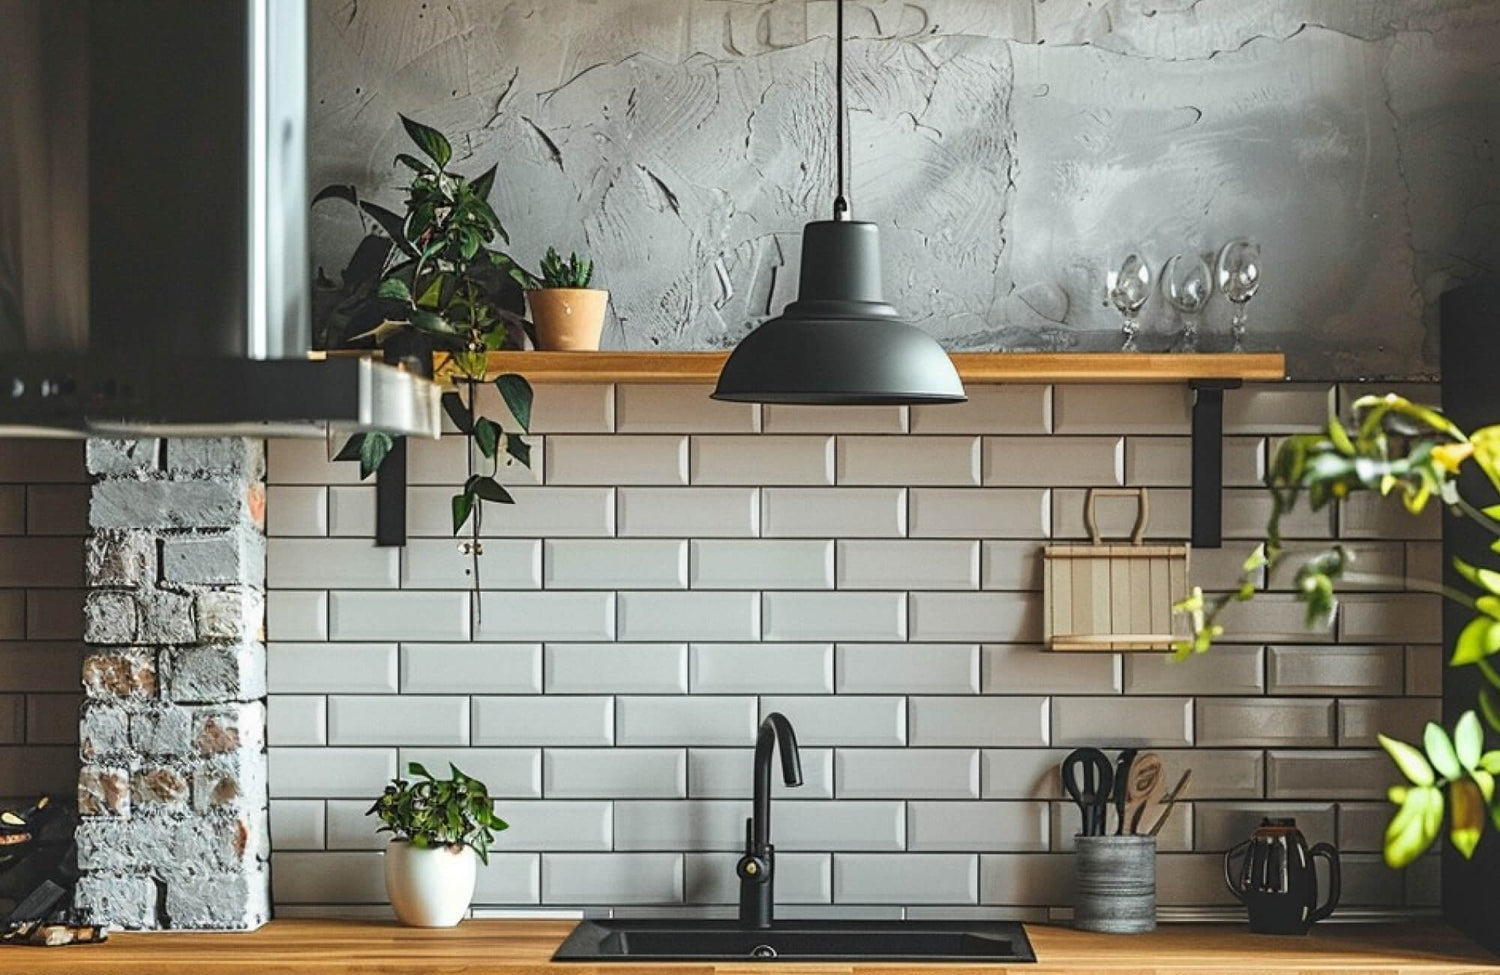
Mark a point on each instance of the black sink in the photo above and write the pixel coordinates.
(701, 940)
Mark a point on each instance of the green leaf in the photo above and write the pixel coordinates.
(418, 769)
(431, 321)
(1414, 827)
(413, 163)
(393, 225)
(1490, 709)
(1468, 740)
(432, 142)
(489, 489)
(1490, 762)
(516, 392)
(1479, 638)
(484, 182)
(463, 505)
(394, 288)
(1486, 579)
(1466, 807)
(1440, 751)
(453, 405)
(487, 436)
(373, 451)
(1410, 761)
(433, 295)
(517, 447)
(1486, 783)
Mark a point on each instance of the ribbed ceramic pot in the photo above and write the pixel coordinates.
(429, 888)
(568, 319)
(1116, 884)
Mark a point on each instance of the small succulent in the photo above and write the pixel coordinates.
(433, 812)
(575, 272)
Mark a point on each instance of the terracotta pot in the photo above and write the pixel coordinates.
(568, 319)
(429, 888)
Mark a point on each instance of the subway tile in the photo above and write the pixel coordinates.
(57, 509)
(330, 668)
(726, 773)
(13, 509)
(981, 513)
(559, 407)
(616, 563)
(293, 614)
(543, 721)
(1168, 461)
(1361, 719)
(1219, 825)
(1053, 461)
(471, 668)
(612, 878)
(539, 512)
(1220, 569)
(13, 615)
(1361, 826)
(399, 615)
(1027, 668)
(442, 563)
(1278, 408)
(690, 616)
(297, 461)
(550, 825)
(898, 461)
(617, 459)
(907, 668)
(907, 773)
(1391, 618)
(1425, 393)
(1324, 775)
(978, 721)
(989, 409)
(1270, 619)
(645, 720)
(24, 461)
(1120, 721)
(761, 668)
(676, 408)
(908, 878)
(1106, 408)
(52, 614)
(1424, 670)
(1369, 515)
(554, 615)
(1246, 511)
(978, 826)
(821, 826)
(615, 773)
(1026, 879)
(44, 666)
(41, 562)
(349, 828)
(12, 719)
(1424, 562)
(509, 773)
(407, 719)
(52, 719)
(908, 564)
(878, 512)
(1020, 773)
(1191, 879)
(1382, 563)
(1225, 670)
(834, 616)
(1013, 566)
(328, 877)
(801, 878)
(841, 721)
(999, 617)
(785, 418)
(509, 878)
(330, 773)
(762, 461)
(1267, 722)
(26, 770)
(680, 824)
(351, 511)
(1336, 670)
(296, 719)
(761, 563)
(440, 461)
(1169, 519)
(297, 824)
(332, 563)
(690, 512)
(616, 668)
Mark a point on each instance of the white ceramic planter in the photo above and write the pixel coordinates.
(429, 888)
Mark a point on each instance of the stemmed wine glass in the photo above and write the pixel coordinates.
(1129, 287)
(1239, 277)
(1187, 282)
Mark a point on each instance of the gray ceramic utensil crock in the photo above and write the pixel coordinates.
(1116, 884)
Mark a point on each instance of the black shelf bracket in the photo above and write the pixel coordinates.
(390, 497)
(1208, 461)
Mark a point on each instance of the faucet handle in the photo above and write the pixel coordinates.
(749, 836)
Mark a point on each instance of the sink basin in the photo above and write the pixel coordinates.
(703, 940)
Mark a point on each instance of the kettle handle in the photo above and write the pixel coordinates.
(1235, 888)
(1326, 850)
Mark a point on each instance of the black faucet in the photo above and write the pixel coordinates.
(757, 868)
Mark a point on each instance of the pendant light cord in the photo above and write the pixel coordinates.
(841, 201)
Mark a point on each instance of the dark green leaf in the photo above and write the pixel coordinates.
(516, 392)
(412, 162)
(373, 451)
(417, 768)
(484, 182)
(394, 288)
(453, 405)
(487, 436)
(517, 447)
(393, 225)
(351, 448)
(431, 321)
(489, 489)
(463, 505)
(432, 142)
(336, 191)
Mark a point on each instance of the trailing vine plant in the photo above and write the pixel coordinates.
(1395, 447)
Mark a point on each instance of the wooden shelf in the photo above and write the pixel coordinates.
(973, 367)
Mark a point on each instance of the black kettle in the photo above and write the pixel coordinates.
(1276, 880)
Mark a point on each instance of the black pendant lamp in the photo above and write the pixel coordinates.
(839, 343)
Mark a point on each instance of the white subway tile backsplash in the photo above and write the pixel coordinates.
(297, 824)
(617, 459)
(712, 512)
(878, 512)
(612, 878)
(558, 407)
(328, 878)
(1101, 408)
(544, 721)
(510, 773)
(295, 614)
(297, 719)
(762, 460)
(689, 616)
(644, 720)
(907, 773)
(1013, 566)
(761, 668)
(403, 720)
(510, 878)
(351, 511)
(1168, 461)
(1226, 670)
(726, 773)
(554, 615)
(841, 721)
(910, 878)
(539, 512)
(999, 617)
(1391, 618)
(330, 773)
(1361, 719)
(1327, 774)
(1028, 669)
(442, 563)
(617, 668)
(785, 418)
(615, 773)
(1369, 515)
(818, 826)
(1336, 670)
(908, 668)
(296, 461)
(1170, 517)
(294, 510)
(1123, 721)
(1027, 878)
(398, 615)
(1265, 721)
(979, 721)
(1054, 461)
(908, 564)
(349, 828)
(329, 668)
(1021, 827)
(989, 409)
(984, 513)
(471, 668)
(835, 616)
(761, 563)
(332, 563)
(555, 825)
(947, 461)
(801, 878)
(1278, 408)
(676, 408)
(676, 824)
(616, 563)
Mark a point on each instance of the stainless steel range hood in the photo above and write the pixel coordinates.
(154, 272)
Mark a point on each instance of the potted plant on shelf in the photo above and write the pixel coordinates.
(440, 826)
(1395, 447)
(567, 314)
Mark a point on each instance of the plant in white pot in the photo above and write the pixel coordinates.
(440, 826)
(567, 315)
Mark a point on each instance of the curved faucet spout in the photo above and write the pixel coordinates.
(756, 868)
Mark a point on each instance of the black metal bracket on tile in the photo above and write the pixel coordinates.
(1208, 461)
(390, 497)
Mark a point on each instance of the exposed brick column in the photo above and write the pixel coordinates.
(172, 793)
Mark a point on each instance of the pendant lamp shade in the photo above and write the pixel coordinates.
(839, 342)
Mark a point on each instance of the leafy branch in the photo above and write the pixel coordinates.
(435, 813)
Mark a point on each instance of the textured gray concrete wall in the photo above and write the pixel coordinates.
(1012, 151)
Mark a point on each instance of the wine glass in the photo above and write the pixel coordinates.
(1187, 282)
(1129, 287)
(1239, 277)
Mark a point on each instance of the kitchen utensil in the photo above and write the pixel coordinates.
(1170, 800)
(1187, 282)
(1143, 796)
(1276, 880)
(1121, 787)
(1239, 278)
(1113, 597)
(1115, 884)
(1087, 777)
(1128, 288)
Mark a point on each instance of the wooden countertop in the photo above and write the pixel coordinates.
(521, 947)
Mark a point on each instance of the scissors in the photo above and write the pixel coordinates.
(1088, 778)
